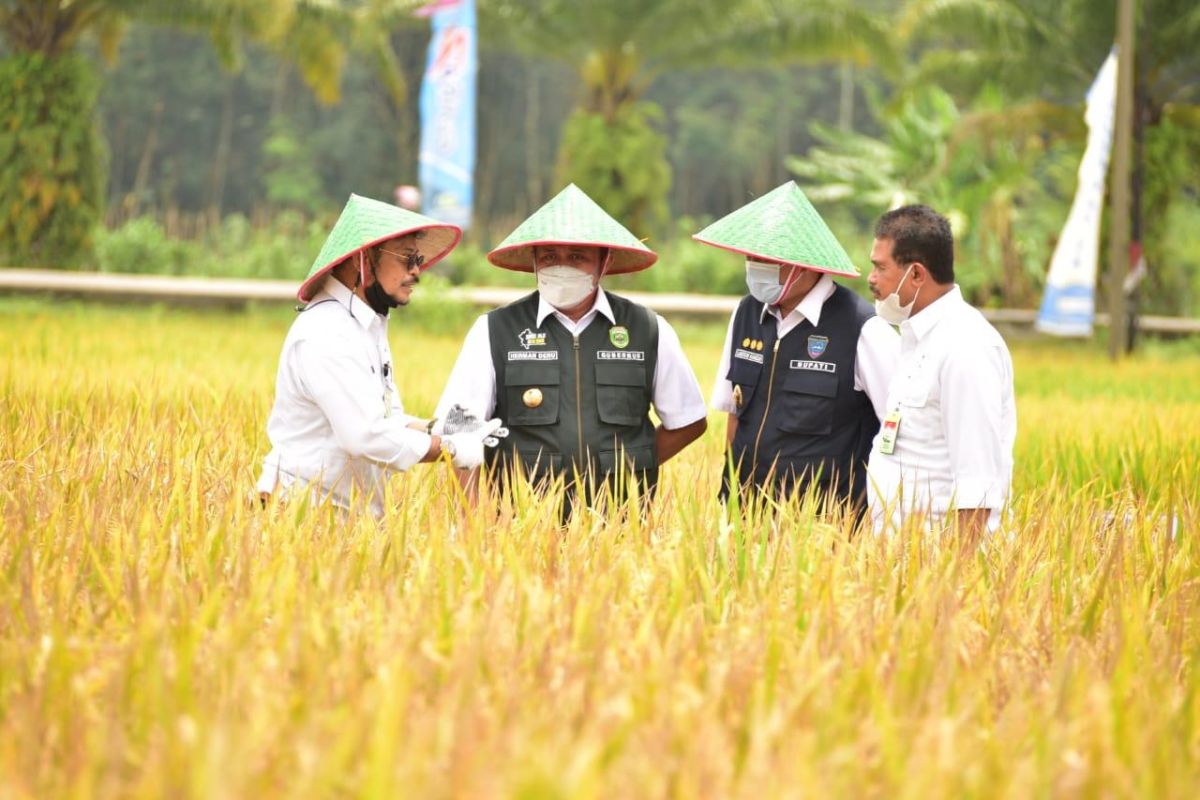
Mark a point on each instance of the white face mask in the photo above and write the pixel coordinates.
(889, 308)
(763, 282)
(564, 287)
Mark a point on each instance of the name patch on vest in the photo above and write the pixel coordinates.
(747, 355)
(815, 366)
(533, 355)
(621, 355)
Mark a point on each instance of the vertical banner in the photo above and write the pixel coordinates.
(1069, 304)
(447, 160)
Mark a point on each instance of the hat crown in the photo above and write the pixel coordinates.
(365, 222)
(571, 217)
(782, 225)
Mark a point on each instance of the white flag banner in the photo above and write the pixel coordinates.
(1069, 303)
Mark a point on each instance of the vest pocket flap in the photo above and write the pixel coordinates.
(532, 374)
(638, 458)
(622, 394)
(621, 375)
(822, 384)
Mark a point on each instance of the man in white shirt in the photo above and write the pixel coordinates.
(944, 455)
(806, 363)
(337, 426)
(571, 369)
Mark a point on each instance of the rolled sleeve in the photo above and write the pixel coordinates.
(678, 400)
(875, 361)
(722, 391)
(472, 382)
(352, 400)
(972, 418)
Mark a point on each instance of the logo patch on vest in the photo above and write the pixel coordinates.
(814, 366)
(817, 345)
(752, 344)
(619, 336)
(528, 339)
(536, 355)
(621, 355)
(746, 355)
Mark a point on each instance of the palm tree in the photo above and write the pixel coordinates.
(618, 47)
(1043, 56)
(50, 174)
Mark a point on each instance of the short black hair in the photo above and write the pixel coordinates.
(918, 233)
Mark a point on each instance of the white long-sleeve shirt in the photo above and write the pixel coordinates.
(953, 390)
(337, 424)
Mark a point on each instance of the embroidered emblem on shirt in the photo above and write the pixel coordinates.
(621, 355)
(814, 366)
(817, 345)
(528, 339)
(536, 355)
(619, 336)
(747, 355)
(752, 344)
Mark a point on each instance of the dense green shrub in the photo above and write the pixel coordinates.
(50, 163)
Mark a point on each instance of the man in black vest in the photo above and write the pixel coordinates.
(806, 364)
(571, 369)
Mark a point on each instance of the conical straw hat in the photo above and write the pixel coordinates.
(572, 217)
(782, 225)
(364, 223)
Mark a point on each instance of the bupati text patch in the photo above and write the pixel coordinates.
(815, 366)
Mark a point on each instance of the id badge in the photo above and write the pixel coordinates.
(887, 435)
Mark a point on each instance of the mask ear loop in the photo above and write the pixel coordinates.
(790, 282)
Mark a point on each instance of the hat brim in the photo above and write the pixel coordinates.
(439, 240)
(814, 267)
(519, 258)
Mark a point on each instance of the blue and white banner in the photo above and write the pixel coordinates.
(447, 160)
(1069, 304)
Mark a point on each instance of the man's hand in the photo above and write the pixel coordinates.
(466, 447)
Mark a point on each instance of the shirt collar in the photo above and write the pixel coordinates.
(923, 322)
(810, 306)
(358, 308)
(601, 305)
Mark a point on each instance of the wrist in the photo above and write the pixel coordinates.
(429, 425)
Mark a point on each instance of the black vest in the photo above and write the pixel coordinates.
(575, 404)
(799, 416)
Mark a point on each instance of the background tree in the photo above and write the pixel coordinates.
(610, 144)
(1043, 56)
(50, 183)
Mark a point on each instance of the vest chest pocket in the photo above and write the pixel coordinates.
(745, 375)
(531, 393)
(621, 394)
(806, 402)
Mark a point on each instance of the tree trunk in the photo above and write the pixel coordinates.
(133, 200)
(220, 165)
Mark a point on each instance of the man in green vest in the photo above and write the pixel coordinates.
(571, 369)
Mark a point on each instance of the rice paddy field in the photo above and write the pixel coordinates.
(161, 637)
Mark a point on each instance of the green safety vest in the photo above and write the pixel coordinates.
(575, 404)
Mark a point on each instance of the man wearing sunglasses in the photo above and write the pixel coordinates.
(337, 426)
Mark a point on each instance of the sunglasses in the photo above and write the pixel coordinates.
(410, 259)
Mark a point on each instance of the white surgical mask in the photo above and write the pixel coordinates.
(763, 282)
(563, 286)
(889, 308)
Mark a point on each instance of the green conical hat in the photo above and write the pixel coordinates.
(781, 226)
(364, 223)
(572, 218)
